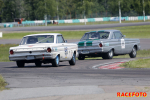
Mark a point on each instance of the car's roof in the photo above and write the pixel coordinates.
(44, 34)
(103, 31)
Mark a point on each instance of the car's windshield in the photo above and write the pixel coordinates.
(37, 39)
(95, 35)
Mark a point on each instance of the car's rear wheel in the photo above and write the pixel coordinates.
(81, 57)
(20, 64)
(73, 60)
(108, 55)
(55, 62)
(38, 64)
(133, 53)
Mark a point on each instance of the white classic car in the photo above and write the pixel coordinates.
(43, 48)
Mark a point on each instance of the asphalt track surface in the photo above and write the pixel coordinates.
(78, 27)
(81, 79)
(71, 80)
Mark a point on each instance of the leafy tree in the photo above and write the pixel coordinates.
(113, 7)
(37, 9)
(84, 6)
(126, 7)
(30, 9)
(138, 6)
(11, 9)
(1, 5)
(70, 7)
(8, 12)
(47, 7)
(147, 7)
(61, 8)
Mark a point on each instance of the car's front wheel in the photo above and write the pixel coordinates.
(55, 62)
(20, 64)
(133, 53)
(108, 55)
(73, 60)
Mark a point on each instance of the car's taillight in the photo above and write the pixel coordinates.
(11, 52)
(100, 45)
(48, 49)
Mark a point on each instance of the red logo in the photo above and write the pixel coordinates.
(132, 94)
(31, 46)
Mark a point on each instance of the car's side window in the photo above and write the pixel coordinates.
(117, 35)
(23, 41)
(113, 37)
(60, 39)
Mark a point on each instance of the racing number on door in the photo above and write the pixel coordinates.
(66, 52)
(122, 43)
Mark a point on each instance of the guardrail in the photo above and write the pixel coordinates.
(89, 20)
(42, 22)
(2, 24)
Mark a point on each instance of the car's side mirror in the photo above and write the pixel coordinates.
(124, 36)
(65, 41)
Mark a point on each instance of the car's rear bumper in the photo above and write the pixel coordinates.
(32, 57)
(87, 51)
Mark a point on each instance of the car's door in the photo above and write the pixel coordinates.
(64, 49)
(119, 42)
(127, 45)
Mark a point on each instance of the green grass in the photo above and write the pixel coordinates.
(140, 54)
(129, 31)
(140, 63)
(2, 83)
(4, 55)
(135, 31)
(66, 34)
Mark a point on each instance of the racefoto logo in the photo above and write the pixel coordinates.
(131, 94)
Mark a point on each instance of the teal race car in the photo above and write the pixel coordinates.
(106, 44)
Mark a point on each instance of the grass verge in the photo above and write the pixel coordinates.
(129, 31)
(2, 83)
(66, 34)
(140, 63)
(140, 54)
(4, 55)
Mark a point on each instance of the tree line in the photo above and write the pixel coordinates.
(71, 9)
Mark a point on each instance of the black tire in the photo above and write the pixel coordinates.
(103, 56)
(133, 53)
(55, 62)
(20, 64)
(73, 60)
(38, 64)
(81, 57)
(108, 55)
